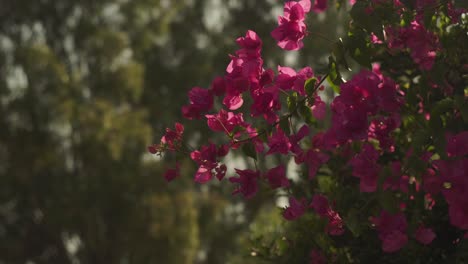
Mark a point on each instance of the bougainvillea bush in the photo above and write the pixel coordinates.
(383, 166)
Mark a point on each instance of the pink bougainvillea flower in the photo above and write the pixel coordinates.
(220, 171)
(233, 102)
(322, 207)
(251, 45)
(454, 174)
(317, 257)
(244, 70)
(320, 204)
(320, 6)
(171, 174)
(277, 177)
(424, 235)
(335, 224)
(278, 143)
(351, 108)
(392, 231)
(294, 139)
(225, 121)
(295, 209)
(394, 241)
(422, 43)
(218, 86)
(288, 78)
(201, 100)
(289, 34)
(381, 127)
(209, 166)
(432, 183)
(314, 158)
(247, 181)
(172, 140)
(266, 103)
(258, 143)
(366, 168)
(457, 145)
(291, 27)
(362, 96)
(319, 109)
(173, 136)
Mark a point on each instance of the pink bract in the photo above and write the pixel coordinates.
(295, 209)
(247, 182)
(291, 27)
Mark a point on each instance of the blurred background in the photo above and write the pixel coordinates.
(85, 87)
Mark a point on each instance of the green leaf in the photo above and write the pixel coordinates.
(428, 14)
(334, 76)
(442, 106)
(339, 52)
(370, 22)
(388, 201)
(333, 72)
(358, 47)
(325, 183)
(336, 88)
(462, 105)
(353, 222)
(420, 138)
(436, 123)
(461, 4)
(284, 125)
(309, 86)
(306, 113)
(248, 149)
(292, 102)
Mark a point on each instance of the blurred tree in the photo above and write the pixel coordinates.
(83, 85)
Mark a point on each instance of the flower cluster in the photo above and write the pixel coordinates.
(381, 135)
(291, 28)
(423, 44)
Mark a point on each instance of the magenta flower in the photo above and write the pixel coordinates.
(247, 181)
(171, 174)
(266, 102)
(206, 158)
(244, 70)
(225, 121)
(218, 86)
(277, 177)
(322, 207)
(288, 78)
(201, 100)
(171, 140)
(366, 168)
(392, 231)
(424, 235)
(292, 29)
(454, 173)
(320, 204)
(457, 145)
(319, 109)
(278, 143)
(422, 43)
(317, 257)
(295, 209)
(320, 6)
